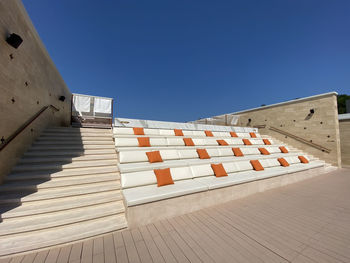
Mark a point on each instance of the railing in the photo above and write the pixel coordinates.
(315, 145)
(5, 142)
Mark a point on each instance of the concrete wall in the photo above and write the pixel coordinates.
(28, 81)
(293, 117)
(344, 127)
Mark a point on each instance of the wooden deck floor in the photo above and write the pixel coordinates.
(303, 222)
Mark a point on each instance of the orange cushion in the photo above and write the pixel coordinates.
(163, 176)
(138, 131)
(233, 134)
(267, 142)
(283, 149)
(178, 132)
(203, 154)
(209, 133)
(218, 169)
(188, 142)
(283, 162)
(246, 142)
(154, 157)
(264, 151)
(144, 142)
(303, 159)
(256, 165)
(237, 152)
(252, 134)
(222, 142)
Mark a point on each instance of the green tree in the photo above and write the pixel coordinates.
(342, 98)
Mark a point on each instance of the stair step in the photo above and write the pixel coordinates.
(54, 205)
(34, 185)
(73, 142)
(70, 153)
(62, 234)
(64, 159)
(64, 173)
(59, 167)
(67, 137)
(70, 147)
(53, 193)
(77, 130)
(49, 220)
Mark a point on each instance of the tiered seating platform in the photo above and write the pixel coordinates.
(194, 182)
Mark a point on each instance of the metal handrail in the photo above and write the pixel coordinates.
(315, 145)
(5, 142)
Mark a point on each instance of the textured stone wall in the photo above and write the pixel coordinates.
(29, 81)
(344, 127)
(321, 127)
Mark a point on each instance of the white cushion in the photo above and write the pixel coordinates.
(166, 132)
(175, 142)
(187, 133)
(169, 154)
(199, 142)
(123, 131)
(151, 193)
(231, 167)
(235, 178)
(124, 142)
(244, 165)
(213, 152)
(201, 170)
(188, 154)
(198, 133)
(132, 156)
(225, 152)
(135, 179)
(211, 142)
(158, 141)
(181, 173)
(151, 132)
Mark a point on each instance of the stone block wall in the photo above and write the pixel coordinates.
(29, 81)
(320, 127)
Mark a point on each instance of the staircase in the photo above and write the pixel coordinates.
(65, 188)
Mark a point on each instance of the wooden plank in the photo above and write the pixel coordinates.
(16, 259)
(119, 247)
(97, 252)
(75, 254)
(130, 247)
(152, 247)
(163, 248)
(53, 255)
(87, 251)
(41, 256)
(63, 256)
(187, 251)
(140, 246)
(109, 251)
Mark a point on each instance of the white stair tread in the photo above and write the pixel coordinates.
(78, 130)
(70, 153)
(59, 235)
(58, 137)
(48, 206)
(70, 147)
(54, 166)
(41, 159)
(45, 194)
(68, 172)
(73, 142)
(42, 221)
(58, 182)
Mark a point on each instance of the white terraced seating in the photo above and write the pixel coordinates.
(65, 188)
(190, 173)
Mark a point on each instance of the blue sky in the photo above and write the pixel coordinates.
(182, 60)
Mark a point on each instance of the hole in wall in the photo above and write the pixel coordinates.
(328, 136)
(11, 56)
(13, 100)
(304, 128)
(31, 129)
(26, 84)
(37, 102)
(321, 122)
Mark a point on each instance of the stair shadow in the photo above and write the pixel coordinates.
(12, 199)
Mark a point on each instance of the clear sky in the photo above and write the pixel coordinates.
(180, 60)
